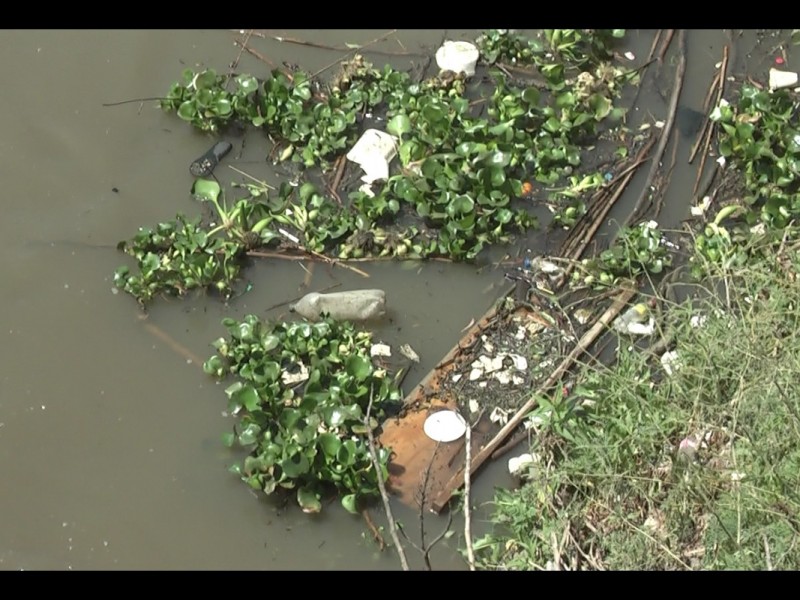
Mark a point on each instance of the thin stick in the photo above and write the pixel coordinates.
(323, 290)
(264, 59)
(467, 512)
(336, 62)
(386, 505)
(289, 40)
(583, 344)
(173, 345)
(720, 88)
(589, 234)
(235, 63)
(665, 45)
(317, 255)
(309, 274)
(260, 182)
(665, 134)
(337, 177)
(373, 530)
(134, 100)
(647, 63)
(656, 38)
(706, 122)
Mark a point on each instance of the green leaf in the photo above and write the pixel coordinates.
(187, 110)
(249, 435)
(228, 439)
(399, 125)
(294, 467)
(531, 95)
(308, 500)
(213, 366)
(600, 105)
(247, 83)
(206, 189)
(248, 397)
(460, 205)
(329, 443)
(350, 504)
(359, 367)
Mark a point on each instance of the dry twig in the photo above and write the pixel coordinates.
(382, 487)
(665, 134)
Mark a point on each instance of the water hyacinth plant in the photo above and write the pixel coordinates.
(301, 395)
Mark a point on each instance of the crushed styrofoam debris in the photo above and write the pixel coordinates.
(380, 350)
(520, 362)
(781, 79)
(459, 57)
(504, 377)
(670, 362)
(520, 333)
(700, 209)
(516, 464)
(630, 55)
(499, 416)
(373, 152)
(292, 378)
(475, 374)
(407, 351)
(474, 406)
(457, 376)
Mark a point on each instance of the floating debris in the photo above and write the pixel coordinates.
(407, 351)
(293, 378)
(383, 350)
(637, 320)
(445, 426)
(458, 57)
(356, 305)
(516, 464)
(781, 79)
(373, 152)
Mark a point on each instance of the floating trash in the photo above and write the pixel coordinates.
(383, 350)
(781, 79)
(357, 305)
(637, 320)
(459, 57)
(373, 152)
(445, 426)
(516, 464)
(409, 353)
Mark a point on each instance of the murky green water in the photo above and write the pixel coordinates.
(109, 436)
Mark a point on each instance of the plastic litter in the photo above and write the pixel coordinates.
(356, 305)
(637, 320)
(373, 152)
(445, 426)
(781, 79)
(459, 57)
(516, 464)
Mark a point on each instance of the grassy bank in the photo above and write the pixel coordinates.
(640, 469)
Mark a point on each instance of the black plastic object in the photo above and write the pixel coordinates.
(205, 165)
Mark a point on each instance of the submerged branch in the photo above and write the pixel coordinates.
(666, 132)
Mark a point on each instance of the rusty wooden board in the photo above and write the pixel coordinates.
(412, 450)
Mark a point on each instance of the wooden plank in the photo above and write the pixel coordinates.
(588, 338)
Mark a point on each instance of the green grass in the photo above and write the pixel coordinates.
(614, 490)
